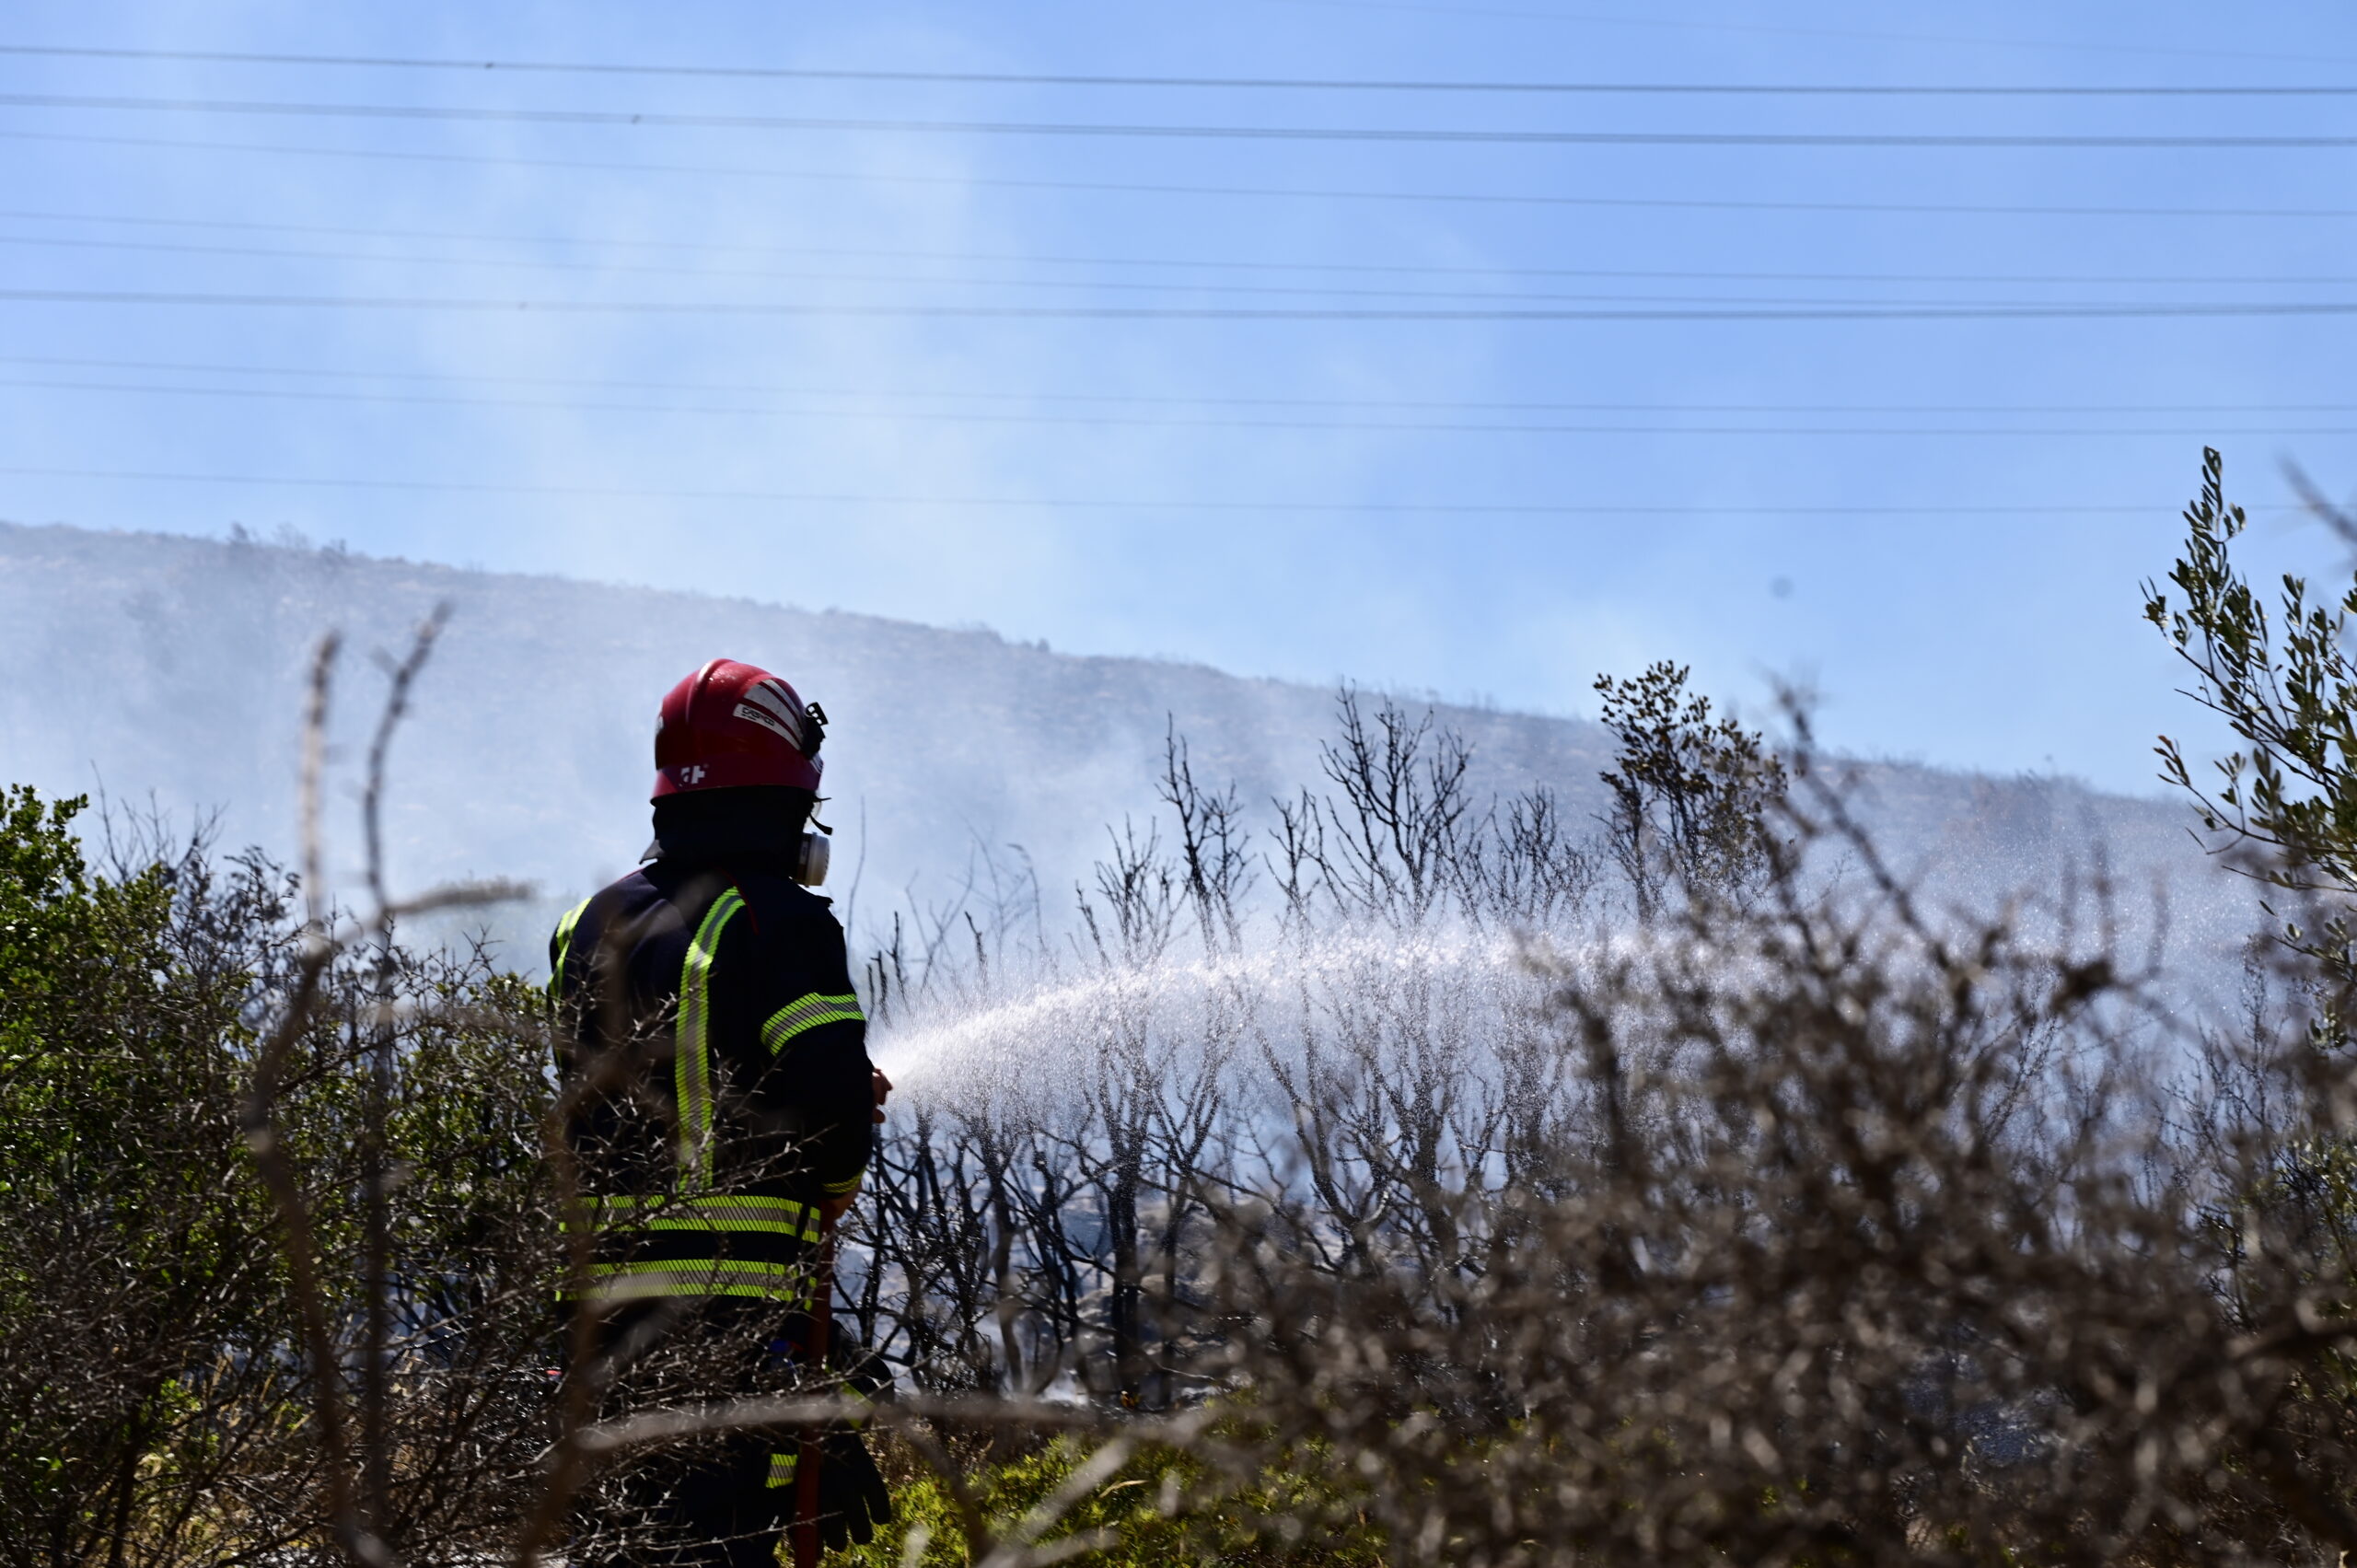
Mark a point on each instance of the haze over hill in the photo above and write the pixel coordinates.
(170, 667)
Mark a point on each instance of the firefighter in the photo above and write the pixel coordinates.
(721, 1116)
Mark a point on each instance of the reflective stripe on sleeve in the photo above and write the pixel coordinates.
(808, 1012)
(692, 1051)
(564, 948)
(782, 1468)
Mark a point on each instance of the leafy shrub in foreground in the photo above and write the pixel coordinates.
(154, 1404)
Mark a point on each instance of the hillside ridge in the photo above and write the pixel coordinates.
(170, 667)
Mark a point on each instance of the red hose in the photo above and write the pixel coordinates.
(804, 1536)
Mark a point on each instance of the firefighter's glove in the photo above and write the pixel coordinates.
(853, 1499)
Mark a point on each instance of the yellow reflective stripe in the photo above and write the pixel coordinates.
(782, 1468)
(692, 1051)
(564, 948)
(805, 1230)
(782, 1217)
(808, 1012)
(644, 1287)
(626, 1282)
(705, 1270)
(712, 1203)
(726, 1213)
(779, 1227)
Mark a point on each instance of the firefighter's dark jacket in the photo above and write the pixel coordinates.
(709, 1032)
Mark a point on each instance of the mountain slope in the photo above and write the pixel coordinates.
(170, 668)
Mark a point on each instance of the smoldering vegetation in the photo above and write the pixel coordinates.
(1690, 1190)
(1405, 1177)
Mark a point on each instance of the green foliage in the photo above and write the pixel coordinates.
(125, 1217)
(2283, 811)
(1156, 1510)
(153, 1407)
(2286, 804)
(1690, 797)
(73, 951)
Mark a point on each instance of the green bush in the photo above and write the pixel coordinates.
(1161, 1508)
(154, 1407)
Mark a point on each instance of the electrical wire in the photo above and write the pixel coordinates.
(805, 276)
(1061, 504)
(541, 264)
(1456, 12)
(1104, 420)
(902, 395)
(1190, 287)
(747, 309)
(1261, 424)
(1134, 188)
(1419, 134)
(798, 276)
(1283, 84)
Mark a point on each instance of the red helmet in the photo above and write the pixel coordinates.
(731, 723)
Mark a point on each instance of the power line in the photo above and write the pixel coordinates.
(1134, 188)
(1731, 313)
(1062, 503)
(1495, 299)
(1259, 423)
(1286, 84)
(77, 242)
(804, 276)
(901, 394)
(444, 113)
(1458, 12)
(1181, 286)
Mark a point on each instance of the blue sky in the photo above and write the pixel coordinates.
(1306, 406)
